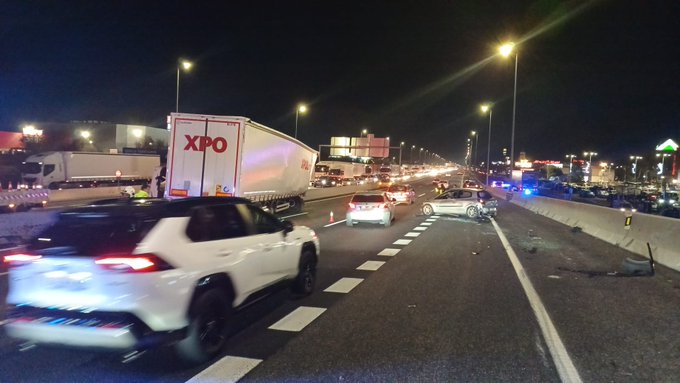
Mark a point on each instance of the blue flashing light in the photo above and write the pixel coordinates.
(527, 191)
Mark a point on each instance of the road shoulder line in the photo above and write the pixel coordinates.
(565, 366)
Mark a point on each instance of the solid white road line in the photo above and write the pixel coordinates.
(298, 319)
(411, 234)
(327, 199)
(335, 223)
(564, 364)
(401, 242)
(389, 252)
(371, 265)
(426, 224)
(294, 215)
(228, 369)
(420, 228)
(344, 285)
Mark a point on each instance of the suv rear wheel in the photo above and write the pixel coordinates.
(208, 328)
(306, 278)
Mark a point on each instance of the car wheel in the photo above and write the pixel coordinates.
(349, 223)
(207, 329)
(306, 278)
(428, 210)
(471, 212)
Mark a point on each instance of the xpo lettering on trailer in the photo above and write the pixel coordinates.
(234, 156)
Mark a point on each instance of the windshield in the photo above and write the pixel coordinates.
(30, 168)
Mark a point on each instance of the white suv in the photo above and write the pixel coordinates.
(130, 275)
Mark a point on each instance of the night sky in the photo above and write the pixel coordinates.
(600, 76)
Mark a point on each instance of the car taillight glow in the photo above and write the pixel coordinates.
(16, 259)
(139, 263)
(352, 205)
(382, 205)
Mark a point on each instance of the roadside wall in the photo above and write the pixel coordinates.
(607, 224)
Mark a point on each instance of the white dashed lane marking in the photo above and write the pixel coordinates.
(426, 224)
(389, 252)
(298, 319)
(3, 322)
(371, 265)
(344, 285)
(227, 369)
(335, 223)
(430, 219)
(420, 228)
(411, 234)
(401, 242)
(435, 216)
(5, 273)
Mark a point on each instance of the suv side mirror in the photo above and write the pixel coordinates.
(287, 227)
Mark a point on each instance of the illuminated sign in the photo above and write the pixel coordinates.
(667, 146)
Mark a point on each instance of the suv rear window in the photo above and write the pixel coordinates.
(93, 234)
(367, 198)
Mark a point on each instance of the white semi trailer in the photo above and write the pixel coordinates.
(57, 170)
(235, 156)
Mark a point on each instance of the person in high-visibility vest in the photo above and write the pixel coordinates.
(143, 192)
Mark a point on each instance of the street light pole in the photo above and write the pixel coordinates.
(590, 164)
(636, 158)
(410, 157)
(486, 108)
(571, 163)
(302, 108)
(186, 65)
(401, 146)
(505, 50)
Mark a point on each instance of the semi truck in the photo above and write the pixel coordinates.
(64, 170)
(234, 156)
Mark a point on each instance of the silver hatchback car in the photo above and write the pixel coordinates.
(372, 207)
(469, 202)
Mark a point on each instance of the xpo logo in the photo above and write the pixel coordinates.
(305, 165)
(200, 143)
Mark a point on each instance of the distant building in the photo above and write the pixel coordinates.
(101, 136)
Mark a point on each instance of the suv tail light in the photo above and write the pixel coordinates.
(15, 260)
(129, 263)
(352, 205)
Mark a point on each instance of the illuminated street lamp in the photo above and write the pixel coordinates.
(364, 132)
(635, 158)
(420, 155)
(411, 156)
(474, 133)
(86, 134)
(487, 108)
(401, 145)
(302, 108)
(505, 50)
(663, 162)
(185, 65)
(590, 165)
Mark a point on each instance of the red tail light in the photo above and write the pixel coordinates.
(128, 263)
(382, 205)
(352, 205)
(14, 260)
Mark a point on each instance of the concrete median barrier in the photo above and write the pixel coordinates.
(321, 193)
(610, 225)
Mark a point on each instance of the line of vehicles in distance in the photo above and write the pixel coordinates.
(128, 274)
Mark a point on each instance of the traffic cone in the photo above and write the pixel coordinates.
(331, 220)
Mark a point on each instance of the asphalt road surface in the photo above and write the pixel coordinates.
(440, 299)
